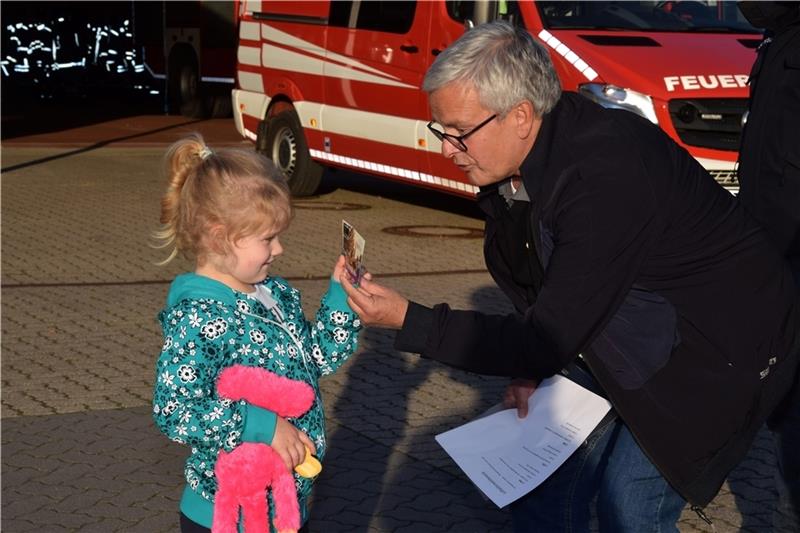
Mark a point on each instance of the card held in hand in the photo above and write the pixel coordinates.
(353, 251)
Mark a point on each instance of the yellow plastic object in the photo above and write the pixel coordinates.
(310, 467)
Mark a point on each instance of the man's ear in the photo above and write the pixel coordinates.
(525, 117)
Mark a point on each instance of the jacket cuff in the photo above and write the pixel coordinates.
(413, 336)
(259, 424)
(335, 297)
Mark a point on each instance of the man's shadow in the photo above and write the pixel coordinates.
(384, 470)
(752, 484)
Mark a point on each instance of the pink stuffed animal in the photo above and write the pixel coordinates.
(245, 473)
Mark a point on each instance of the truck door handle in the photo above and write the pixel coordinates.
(410, 48)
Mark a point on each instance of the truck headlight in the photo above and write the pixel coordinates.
(618, 98)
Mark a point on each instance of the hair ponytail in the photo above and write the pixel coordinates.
(182, 161)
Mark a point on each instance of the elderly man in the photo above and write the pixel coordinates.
(631, 271)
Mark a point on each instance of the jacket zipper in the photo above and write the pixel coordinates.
(294, 339)
(699, 511)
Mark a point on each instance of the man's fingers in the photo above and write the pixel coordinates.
(509, 400)
(359, 301)
(517, 394)
(353, 291)
(364, 292)
(358, 298)
(354, 306)
(348, 288)
(367, 286)
(365, 282)
(522, 403)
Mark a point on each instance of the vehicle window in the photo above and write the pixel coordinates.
(460, 10)
(388, 16)
(679, 16)
(463, 10)
(509, 11)
(340, 13)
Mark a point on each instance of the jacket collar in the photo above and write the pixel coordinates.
(535, 164)
(193, 286)
(485, 199)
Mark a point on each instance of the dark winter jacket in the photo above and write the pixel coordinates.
(769, 160)
(683, 311)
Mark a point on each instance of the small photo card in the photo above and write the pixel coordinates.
(353, 251)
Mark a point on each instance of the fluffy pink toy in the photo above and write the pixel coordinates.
(245, 473)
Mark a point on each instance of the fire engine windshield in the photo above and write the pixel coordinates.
(671, 16)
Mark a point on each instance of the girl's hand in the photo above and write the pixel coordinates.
(291, 443)
(338, 268)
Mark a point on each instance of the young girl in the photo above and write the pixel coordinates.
(226, 209)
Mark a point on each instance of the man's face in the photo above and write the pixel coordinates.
(495, 151)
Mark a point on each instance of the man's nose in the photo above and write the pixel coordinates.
(448, 150)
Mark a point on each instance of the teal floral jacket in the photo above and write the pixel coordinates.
(207, 327)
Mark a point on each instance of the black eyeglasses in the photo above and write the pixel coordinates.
(458, 140)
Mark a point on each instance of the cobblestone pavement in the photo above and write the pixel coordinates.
(80, 292)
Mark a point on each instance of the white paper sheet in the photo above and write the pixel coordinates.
(507, 457)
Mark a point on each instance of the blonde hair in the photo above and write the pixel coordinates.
(214, 198)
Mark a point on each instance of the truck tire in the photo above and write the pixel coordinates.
(183, 83)
(220, 105)
(189, 91)
(282, 140)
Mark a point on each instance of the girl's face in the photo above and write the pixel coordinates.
(250, 257)
(247, 262)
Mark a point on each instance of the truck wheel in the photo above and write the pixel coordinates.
(221, 106)
(281, 139)
(191, 101)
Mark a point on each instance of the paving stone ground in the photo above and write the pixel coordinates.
(80, 291)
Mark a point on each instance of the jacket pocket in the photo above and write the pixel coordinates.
(639, 339)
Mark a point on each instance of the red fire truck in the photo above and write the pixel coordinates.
(190, 46)
(338, 82)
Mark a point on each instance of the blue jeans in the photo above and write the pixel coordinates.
(609, 468)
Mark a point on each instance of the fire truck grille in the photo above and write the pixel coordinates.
(726, 178)
(709, 122)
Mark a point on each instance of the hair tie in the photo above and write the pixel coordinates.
(205, 153)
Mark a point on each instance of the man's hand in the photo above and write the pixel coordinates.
(375, 304)
(517, 394)
(291, 444)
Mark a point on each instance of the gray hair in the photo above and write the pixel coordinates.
(506, 65)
